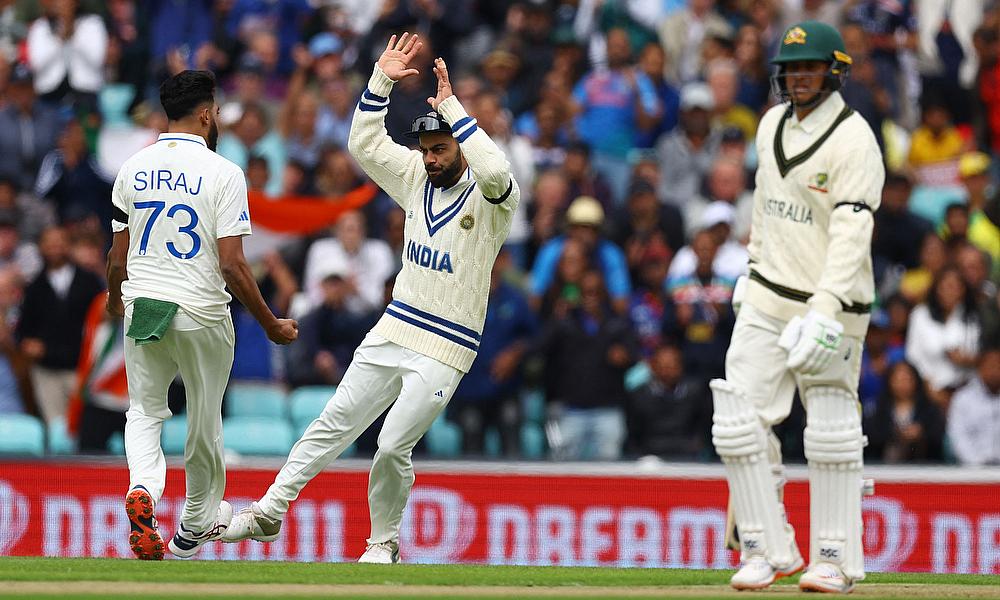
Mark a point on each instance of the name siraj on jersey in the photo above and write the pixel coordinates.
(788, 210)
(427, 257)
(165, 179)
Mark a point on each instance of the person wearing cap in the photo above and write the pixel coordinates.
(459, 198)
(686, 154)
(28, 129)
(803, 315)
(730, 257)
(584, 220)
(984, 203)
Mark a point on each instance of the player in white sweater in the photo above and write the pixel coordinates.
(459, 197)
(802, 321)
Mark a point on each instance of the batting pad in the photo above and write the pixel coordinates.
(741, 441)
(833, 446)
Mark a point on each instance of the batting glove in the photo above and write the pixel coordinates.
(811, 342)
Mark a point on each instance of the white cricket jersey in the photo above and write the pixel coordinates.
(176, 198)
(819, 182)
(451, 236)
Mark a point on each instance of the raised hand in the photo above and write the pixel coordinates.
(395, 61)
(444, 84)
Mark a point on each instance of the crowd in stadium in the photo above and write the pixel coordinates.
(630, 128)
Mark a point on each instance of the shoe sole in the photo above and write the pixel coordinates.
(143, 539)
(812, 586)
(778, 575)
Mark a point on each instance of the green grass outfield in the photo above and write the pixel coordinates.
(66, 579)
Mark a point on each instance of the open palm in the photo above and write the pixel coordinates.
(395, 61)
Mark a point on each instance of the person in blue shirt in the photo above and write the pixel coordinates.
(584, 220)
(487, 396)
(612, 106)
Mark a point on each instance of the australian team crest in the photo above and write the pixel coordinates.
(467, 222)
(795, 35)
(818, 182)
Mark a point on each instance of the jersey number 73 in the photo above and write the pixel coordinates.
(157, 206)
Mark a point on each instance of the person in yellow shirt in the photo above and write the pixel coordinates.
(936, 146)
(984, 206)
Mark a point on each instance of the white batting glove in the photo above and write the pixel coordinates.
(811, 342)
(739, 291)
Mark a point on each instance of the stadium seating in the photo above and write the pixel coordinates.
(306, 403)
(59, 439)
(532, 441)
(444, 439)
(173, 435)
(256, 400)
(258, 435)
(116, 444)
(22, 434)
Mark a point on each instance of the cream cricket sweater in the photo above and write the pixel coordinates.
(451, 236)
(819, 182)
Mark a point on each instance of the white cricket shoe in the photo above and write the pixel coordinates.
(826, 577)
(757, 573)
(185, 542)
(386, 553)
(251, 523)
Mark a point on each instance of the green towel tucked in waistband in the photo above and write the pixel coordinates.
(150, 320)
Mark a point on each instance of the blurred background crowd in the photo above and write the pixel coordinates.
(629, 125)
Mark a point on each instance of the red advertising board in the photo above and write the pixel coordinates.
(546, 518)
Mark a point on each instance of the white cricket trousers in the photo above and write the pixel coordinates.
(381, 374)
(204, 357)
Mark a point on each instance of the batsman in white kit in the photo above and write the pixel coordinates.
(459, 198)
(179, 217)
(802, 320)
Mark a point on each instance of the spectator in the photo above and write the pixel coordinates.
(297, 125)
(365, 263)
(864, 91)
(21, 256)
(584, 220)
(330, 332)
(682, 35)
(895, 229)
(563, 294)
(257, 174)
(943, 337)
(548, 143)
(28, 130)
(650, 303)
(583, 179)
(73, 181)
(337, 173)
(703, 318)
(731, 259)
(336, 110)
(936, 146)
(549, 200)
(51, 325)
(645, 221)
(16, 394)
(905, 426)
(974, 265)
(881, 351)
(12, 31)
(726, 183)
(614, 107)
(651, 65)
(670, 415)
(252, 135)
(891, 27)
(984, 203)
(916, 282)
(974, 415)
(755, 82)
(687, 153)
(488, 396)
(586, 355)
(66, 50)
(723, 78)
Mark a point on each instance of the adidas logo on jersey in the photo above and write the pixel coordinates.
(439, 393)
(244, 216)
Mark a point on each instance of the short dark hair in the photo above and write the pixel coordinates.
(184, 92)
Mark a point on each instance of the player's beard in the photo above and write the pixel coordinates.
(213, 135)
(448, 175)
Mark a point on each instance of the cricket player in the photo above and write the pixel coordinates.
(179, 217)
(803, 316)
(459, 197)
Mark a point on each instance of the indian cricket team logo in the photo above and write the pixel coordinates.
(818, 182)
(467, 222)
(795, 35)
